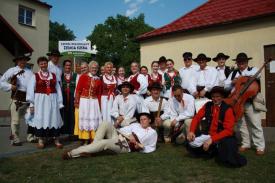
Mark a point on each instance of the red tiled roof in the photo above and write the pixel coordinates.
(215, 12)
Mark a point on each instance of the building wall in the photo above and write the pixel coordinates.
(249, 37)
(37, 37)
(5, 64)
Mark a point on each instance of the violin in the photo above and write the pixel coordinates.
(246, 87)
(13, 81)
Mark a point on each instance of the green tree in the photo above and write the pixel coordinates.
(59, 32)
(115, 39)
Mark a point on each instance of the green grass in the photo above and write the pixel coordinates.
(167, 164)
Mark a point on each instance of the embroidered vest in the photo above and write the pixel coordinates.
(135, 82)
(43, 87)
(205, 124)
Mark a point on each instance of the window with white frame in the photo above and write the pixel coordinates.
(25, 16)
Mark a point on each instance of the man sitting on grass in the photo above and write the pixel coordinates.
(135, 137)
(215, 137)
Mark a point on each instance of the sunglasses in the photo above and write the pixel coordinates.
(186, 59)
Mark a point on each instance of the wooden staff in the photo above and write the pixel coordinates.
(159, 108)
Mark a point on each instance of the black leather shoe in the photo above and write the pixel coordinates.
(17, 143)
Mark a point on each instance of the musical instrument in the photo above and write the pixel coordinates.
(13, 80)
(199, 103)
(128, 138)
(246, 87)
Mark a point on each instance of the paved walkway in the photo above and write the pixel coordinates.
(7, 150)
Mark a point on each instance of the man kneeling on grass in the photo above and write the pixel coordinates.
(135, 137)
(215, 136)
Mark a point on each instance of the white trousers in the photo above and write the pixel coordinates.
(167, 126)
(106, 138)
(251, 128)
(16, 116)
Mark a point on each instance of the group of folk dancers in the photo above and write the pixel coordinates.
(109, 111)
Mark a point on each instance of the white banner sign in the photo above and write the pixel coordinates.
(74, 46)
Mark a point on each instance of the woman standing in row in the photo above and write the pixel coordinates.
(155, 76)
(45, 97)
(87, 99)
(171, 77)
(68, 81)
(108, 92)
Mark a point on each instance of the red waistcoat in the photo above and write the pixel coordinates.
(135, 82)
(42, 86)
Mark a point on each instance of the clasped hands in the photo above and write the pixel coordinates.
(191, 137)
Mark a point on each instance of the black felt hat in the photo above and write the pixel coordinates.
(55, 52)
(187, 55)
(25, 56)
(220, 56)
(144, 114)
(202, 56)
(218, 89)
(126, 83)
(155, 85)
(242, 57)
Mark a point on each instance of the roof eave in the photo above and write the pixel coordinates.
(141, 38)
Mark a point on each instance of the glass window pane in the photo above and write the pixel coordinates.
(29, 14)
(21, 11)
(29, 21)
(21, 19)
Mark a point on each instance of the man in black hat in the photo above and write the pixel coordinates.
(215, 137)
(187, 73)
(252, 117)
(124, 106)
(16, 80)
(53, 66)
(206, 77)
(158, 107)
(135, 137)
(223, 70)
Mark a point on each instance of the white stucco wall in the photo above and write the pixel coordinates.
(37, 37)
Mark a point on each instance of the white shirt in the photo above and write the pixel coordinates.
(22, 80)
(152, 106)
(56, 69)
(162, 72)
(143, 83)
(120, 80)
(228, 82)
(148, 137)
(181, 112)
(109, 79)
(125, 107)
(221, 76)
(207, 77)
(187, 75)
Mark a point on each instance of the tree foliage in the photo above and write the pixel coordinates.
(115, 39)
(59, 32)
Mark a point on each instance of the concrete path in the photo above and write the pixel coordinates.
(7, 150)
